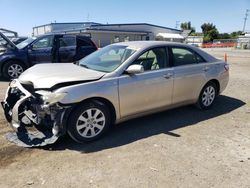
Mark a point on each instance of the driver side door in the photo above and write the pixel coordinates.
(41, 50)
(149, 90)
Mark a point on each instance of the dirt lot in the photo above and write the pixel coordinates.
(183, 147)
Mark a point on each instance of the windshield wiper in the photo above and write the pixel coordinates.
(76, 62)
(85, 66)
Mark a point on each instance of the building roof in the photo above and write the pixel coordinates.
(68, 23)
(126, 24)
(116, 30)
(93, 24)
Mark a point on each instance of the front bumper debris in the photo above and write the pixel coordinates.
(35, 123)
(31, 139)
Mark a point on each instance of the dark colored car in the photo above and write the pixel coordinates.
(18, 40)
(14, 59)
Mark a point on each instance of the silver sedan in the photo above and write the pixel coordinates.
(119, 82)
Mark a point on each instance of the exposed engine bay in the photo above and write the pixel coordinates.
(35, 116)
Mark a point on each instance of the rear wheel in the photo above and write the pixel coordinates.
(13, 69)
(207, 96)
(89, 122)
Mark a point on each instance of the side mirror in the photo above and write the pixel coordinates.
(135, 69)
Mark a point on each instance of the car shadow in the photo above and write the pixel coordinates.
(2, 79)
(160, 123)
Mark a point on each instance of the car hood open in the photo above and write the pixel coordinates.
(49, 75)
(8, 45)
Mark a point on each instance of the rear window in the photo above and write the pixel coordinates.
(81, 41)
(184, 56)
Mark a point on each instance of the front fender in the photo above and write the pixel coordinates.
(104, 88)
(11, 57)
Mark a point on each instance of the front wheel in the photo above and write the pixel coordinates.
(13, 69)
(89, 122)
(207, 96)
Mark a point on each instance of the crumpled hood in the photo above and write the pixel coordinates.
(48, 75)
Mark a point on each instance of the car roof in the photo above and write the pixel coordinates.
(64, 34)
(152, 44)
(145, 44)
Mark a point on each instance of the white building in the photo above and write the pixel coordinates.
(104, 34)
(195, 40)
(243, 41)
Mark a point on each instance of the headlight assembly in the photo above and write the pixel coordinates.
(50, 97)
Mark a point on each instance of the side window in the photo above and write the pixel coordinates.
(199, 59)
(84, 42)
(44, 42)
(67, 41)
(153, 59)
(183, 56)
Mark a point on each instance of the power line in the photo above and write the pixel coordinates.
(245, 20)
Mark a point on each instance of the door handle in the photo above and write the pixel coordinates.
(205, 69)
(168, 75)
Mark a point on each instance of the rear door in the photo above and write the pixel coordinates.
(67, 48)
(41, 50)
(84, 47)
(149, 90)
(189, 74)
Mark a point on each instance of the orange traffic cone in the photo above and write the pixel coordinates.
(225, 57)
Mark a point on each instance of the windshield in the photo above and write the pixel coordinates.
(108, 58)
(3, 44)
(25, 43)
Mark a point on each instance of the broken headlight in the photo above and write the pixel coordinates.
(50, 98)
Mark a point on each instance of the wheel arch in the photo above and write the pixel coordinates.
(11, 59)
(100, 100)
(216, 82)
(217, 85)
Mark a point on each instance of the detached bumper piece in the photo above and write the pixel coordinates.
(35, 123)
(31, 138)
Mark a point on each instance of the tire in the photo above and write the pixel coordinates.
(13, 69)
(89, 122)
(207, 96)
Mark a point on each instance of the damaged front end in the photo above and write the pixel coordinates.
(36, 116)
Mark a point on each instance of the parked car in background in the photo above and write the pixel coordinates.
(18, 40)
(116, 83)
(14, 59)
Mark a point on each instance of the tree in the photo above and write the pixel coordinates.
(235, 34)
(209, 31)
(187, 26)
(224, 36)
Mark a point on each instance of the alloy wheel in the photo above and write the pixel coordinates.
(208, 96)
(15, 70)
(90, 123)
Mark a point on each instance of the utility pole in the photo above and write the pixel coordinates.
(245, 20)
(177, 23)
(88, 17)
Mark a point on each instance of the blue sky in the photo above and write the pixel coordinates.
(22, 15)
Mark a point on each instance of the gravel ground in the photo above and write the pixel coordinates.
(183, 147)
